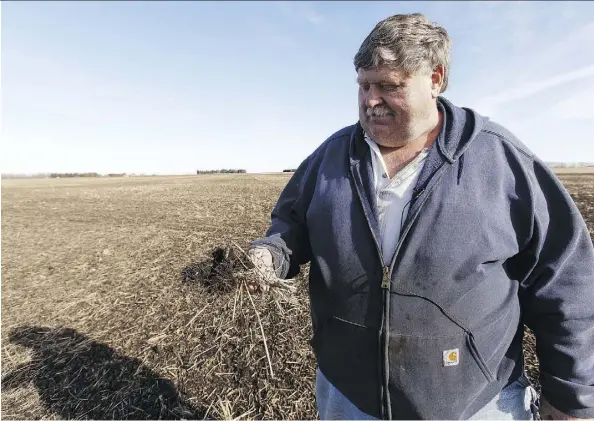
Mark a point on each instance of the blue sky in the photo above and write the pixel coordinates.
(171, 87)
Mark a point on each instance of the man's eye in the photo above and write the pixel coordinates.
(364, 86)
(390, 88)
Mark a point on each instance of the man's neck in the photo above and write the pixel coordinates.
(398, 158)
(425, 140)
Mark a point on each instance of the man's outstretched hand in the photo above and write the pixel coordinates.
(262, 260)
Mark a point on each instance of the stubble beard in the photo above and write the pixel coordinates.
(399, 135)
(389, 136)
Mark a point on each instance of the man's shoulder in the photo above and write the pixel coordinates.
(331, 146)
(496, 132)
(345, 132)
(500, 133)
(338, 139)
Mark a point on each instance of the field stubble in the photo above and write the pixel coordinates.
(105, 313)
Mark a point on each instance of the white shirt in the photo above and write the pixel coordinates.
(393, 196)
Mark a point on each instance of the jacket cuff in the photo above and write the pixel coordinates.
(280, 254)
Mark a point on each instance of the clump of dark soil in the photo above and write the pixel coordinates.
(221, 273)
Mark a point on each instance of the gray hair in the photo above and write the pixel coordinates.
(407, 42)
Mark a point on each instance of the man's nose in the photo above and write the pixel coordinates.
(373, 97)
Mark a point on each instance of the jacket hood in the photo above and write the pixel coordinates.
(461, 127)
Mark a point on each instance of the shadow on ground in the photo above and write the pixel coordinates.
(78, 378)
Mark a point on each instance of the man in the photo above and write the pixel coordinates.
(434, 235)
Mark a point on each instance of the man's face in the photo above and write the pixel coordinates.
(395, 108)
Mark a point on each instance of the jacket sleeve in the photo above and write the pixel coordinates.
(557, 295)
(287, 238)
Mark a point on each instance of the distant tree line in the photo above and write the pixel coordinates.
(290, 170)
(73, 174)
(570, 164)
(221, 171)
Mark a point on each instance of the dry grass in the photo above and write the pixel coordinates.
(113, 306)
(99, 319)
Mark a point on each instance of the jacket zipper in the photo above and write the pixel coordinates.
(437, 175)
(385, 285)
(386, 407)
(386, 278)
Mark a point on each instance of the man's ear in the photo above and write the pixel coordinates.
(437, 79)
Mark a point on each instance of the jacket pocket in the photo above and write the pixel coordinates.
(447, 371)
(479, 358)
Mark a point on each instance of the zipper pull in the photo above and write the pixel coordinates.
(386, 278)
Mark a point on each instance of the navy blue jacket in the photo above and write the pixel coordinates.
(492, 241)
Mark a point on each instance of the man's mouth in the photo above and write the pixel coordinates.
(378, 112)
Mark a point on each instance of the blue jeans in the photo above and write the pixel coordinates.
(516, 402)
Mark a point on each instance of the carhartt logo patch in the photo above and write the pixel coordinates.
(451, 357)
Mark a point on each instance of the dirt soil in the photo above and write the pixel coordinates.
(122, 298)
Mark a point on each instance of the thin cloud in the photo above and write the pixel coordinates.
(527, 90)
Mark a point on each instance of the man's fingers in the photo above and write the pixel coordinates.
(255, 287)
